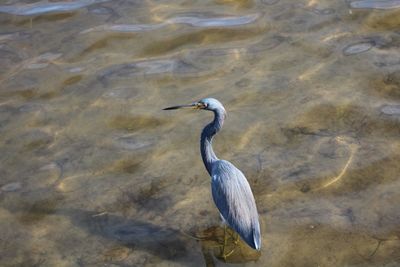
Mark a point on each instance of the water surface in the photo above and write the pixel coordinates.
(94, 173)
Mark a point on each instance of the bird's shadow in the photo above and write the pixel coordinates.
(164, 242)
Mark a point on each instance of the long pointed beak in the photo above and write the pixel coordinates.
(193, 105)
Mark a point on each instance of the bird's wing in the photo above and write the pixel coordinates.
(234, 199)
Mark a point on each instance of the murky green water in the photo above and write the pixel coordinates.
(93, 173)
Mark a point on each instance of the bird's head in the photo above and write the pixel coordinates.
(205, 103)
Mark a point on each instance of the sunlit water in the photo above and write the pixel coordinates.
(94, 173)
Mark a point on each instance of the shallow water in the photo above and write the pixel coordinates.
(94, 173)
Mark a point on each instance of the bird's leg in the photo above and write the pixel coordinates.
(224, 253)
(230, 253)
(233, 235)
(225, 238)
(224, 244)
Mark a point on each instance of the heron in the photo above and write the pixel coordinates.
(230, 189)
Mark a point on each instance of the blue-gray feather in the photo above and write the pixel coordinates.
(230, 189)
(233, 197)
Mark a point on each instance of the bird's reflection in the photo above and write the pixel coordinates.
(214, 239)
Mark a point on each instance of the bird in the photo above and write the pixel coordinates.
(230, 189)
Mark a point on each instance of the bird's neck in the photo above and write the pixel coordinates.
(207, 152)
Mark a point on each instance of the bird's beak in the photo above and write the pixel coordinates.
(195, 105)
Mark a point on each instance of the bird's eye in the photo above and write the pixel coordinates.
(201, 105)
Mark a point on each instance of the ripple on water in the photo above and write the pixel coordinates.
(121, 93)
(8, 57)
(266, 44)
(30, 107)
(44, 177)
(148, 67)
(44, 7)
(373, 4)
(11, 187)
(224, 21)
(393, 110)
(131, 143)
(269, 2)
(201, 60)
(325, 11)
(135, 123)
(193, 20)
(34, 140)
(101, 10)
(138, 68)
(124, 28)
(14, 36)
(42, 61)
(357, 48)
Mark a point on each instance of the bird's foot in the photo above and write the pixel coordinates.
(226, 255)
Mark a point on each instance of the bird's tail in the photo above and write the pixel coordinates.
(257, 237)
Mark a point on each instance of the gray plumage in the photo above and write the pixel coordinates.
(230, 189)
